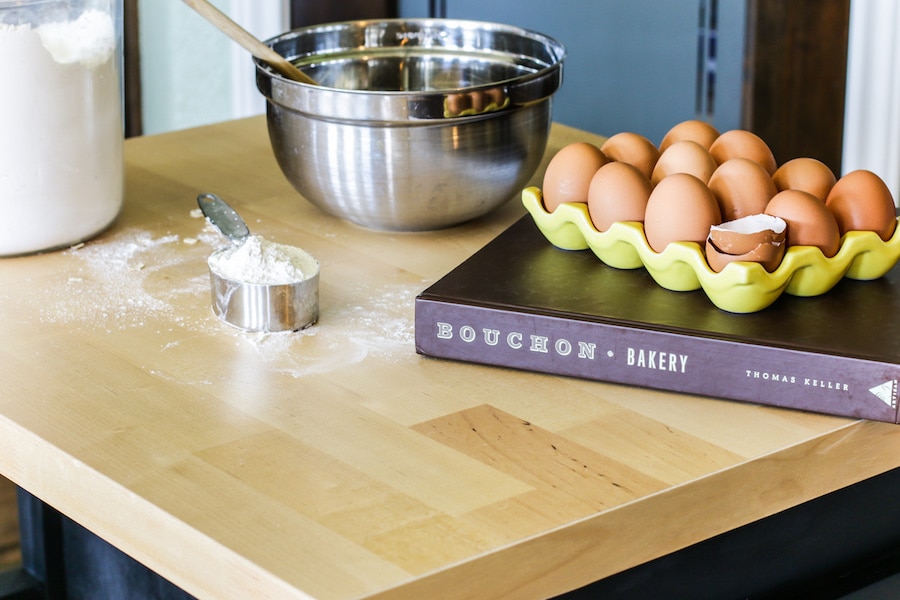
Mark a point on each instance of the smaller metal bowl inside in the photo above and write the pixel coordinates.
(415, 124)
(265, 307)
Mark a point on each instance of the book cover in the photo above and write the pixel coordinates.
(522, 303)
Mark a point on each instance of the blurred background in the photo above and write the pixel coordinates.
(635, 65)
(811, 77)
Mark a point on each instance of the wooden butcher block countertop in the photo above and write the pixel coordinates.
(336, 462)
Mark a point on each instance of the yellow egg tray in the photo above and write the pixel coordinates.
(741, 287)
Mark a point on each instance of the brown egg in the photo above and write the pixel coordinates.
(569, 174)
(618, 192)
(861, 201)
(756, 238)
(684, 157)
(632, 148)
(455, 104)
(742, 188)
(680, 209)
(694, 130)
(740, 143)
(805, 174)
(809, 222)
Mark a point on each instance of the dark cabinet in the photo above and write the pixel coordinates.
(304, 12)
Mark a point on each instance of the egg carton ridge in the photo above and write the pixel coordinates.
(741, 287)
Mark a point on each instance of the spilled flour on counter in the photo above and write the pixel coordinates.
(130, 279)
(381, 325)
(108, 288)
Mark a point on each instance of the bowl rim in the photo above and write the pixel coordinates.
(407, 105)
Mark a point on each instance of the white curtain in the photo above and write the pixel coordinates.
(191, 73)
(264, 19)
(872, 111)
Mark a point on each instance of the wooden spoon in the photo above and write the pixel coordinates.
(248, 41)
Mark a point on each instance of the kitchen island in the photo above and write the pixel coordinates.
(335, 462)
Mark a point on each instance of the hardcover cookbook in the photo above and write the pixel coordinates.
(522, 303)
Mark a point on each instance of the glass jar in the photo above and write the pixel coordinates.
(61, 125)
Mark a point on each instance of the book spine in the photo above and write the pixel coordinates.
(824, 383)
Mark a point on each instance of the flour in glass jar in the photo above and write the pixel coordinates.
(61, 168)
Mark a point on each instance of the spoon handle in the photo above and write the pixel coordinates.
(248, 41)
(225, 218)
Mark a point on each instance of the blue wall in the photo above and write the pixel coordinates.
(632, 64)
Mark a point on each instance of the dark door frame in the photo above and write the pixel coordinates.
(796, 76)
(305, 12)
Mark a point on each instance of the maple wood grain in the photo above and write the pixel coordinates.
(338, 463)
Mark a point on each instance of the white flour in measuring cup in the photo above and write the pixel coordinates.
(61, 173)
(259, 261)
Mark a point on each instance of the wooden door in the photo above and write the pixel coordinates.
(132, 75)
(307, 12)
(796, 80)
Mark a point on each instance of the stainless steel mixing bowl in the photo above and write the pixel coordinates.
(415, 124)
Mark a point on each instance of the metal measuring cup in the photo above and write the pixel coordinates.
(252, 306)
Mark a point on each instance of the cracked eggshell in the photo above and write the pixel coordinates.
(769, 256)
(743, 235)
(861, 201)
(742, 188)
(756, 238)
(618, 192)
(634, 149)
(568, 175)
(680, 209)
